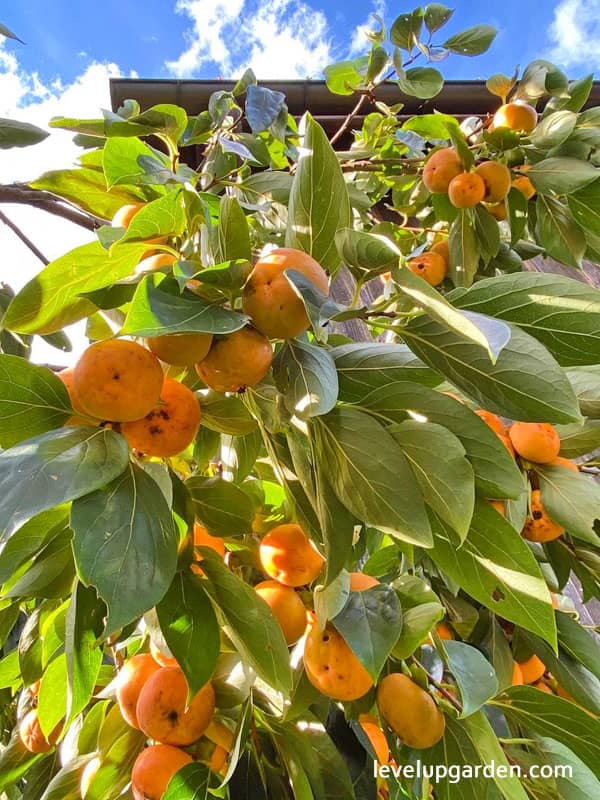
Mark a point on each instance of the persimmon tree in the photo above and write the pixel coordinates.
(243, 555)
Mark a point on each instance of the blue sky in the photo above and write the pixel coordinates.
(190, 38)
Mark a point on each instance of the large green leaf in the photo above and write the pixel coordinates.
(19, 134)
(571, 499)
(158, 308)
(53, 299)
(464, 253)
(366, 254)
(578, 643)
(233, 232)
(585, 207)
(496, 474)
(125, 544)
(250, 624)
(189, 783)
(306, 376)
(30, 538)
(370, 623)
(580, 783)
(162, 217)
(586, 385)
(222, 507)
(472, 41)
(225, 414)
(548, 715)
(319, 204)
(562, 313)
(337, 525)
(363, 367)
(497, 568)
(84, 625)
(189, 625)
(557, 231)
(474, 675)
(450, 491)
(561, 175)
(477, 329)
(54, 468)
(370, 474)
(525, 383)
(32, 400)
(578, 440)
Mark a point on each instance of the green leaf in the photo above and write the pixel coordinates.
(436, 16)
(552, 131)
(262, 107)
(189, 625)
(315, 215)
(449, 492)
(561, 720)
(337, 525)
(366, 254)
(561, 175)
(464, 253)
(581, 783)
(157, 309)
(53, 299)
(122, 161)
(233, 232)
(541, 78)
(306, 376)
(476, 329)
(490, 750)
(576, 642)
(370, 623)
(579, 440)
(572, 499)
(474, 675)
(119, 744)
(189, 783)
(51, 572)
(496, 474)
(487, 234)
(562, 313)
(222, 507)
(585, 207)
(19, 134)
(250, 624)
(365, 366)
(472, 41)
(85, 622)
(388, 498)
(517, 215)
(497, 568)
(421, 82)
(344, 77)
(125, 544)
(586, 385)
(525, 383)
(226, 414)
(54, 468)
(66, 783)
(15, 762)
(32, 400)
(87, 189)
(406, 28)
(229, 276)
(52, 697)
(162, 217)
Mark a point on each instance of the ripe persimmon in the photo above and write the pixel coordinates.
(538, 526)
(532, 669)
(499, 505)
(508, 444)
(498, 211)
(496, 178)
(442, 248)
(444, 631)
(181, 349)
(163, 713)
(164, 659)
(154, 768)
(270, 299)
(359, 581)
(535, 441)
(542, 686)
(517, 675)
(559, 461)
(117, 380)
(32, 736)
(155, 262)
(130, 681)
(440, 168)
(332, 667)
(524, 185)
(516, 116)
(466, 190)
(287, 607)
(170, 426)
(492, 420)
(432, 267)
(202, 538)
(410, 711)
(236, 361)
(376, 736)
(123, 217)
(287, 555)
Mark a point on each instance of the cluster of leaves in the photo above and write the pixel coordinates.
(357, 441)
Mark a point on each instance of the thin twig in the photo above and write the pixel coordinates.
(444, 692)
(26, 241)
(348, 121)
(23, 194)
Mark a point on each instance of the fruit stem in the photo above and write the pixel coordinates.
(444, 692)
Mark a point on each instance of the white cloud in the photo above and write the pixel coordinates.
(25, 97)
(278, 39)
(360, 43)
(574, 34)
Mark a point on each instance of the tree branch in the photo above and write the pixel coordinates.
(27, 242)
(22, 194)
